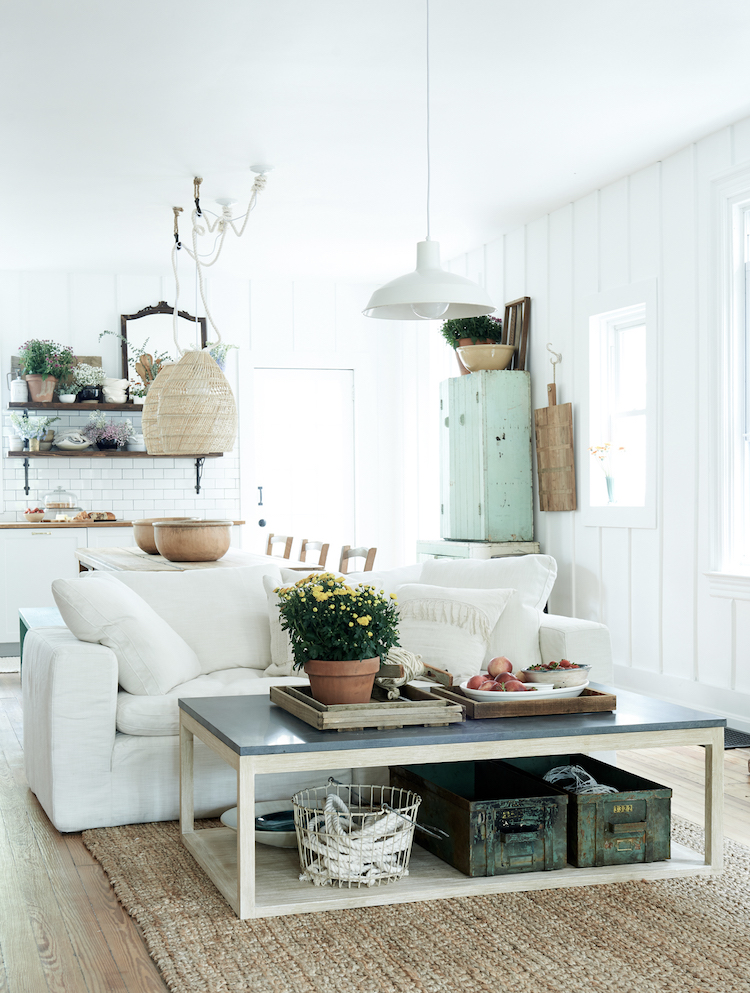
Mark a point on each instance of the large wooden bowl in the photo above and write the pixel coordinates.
(192, 541)
(143, 532)
(476, 357)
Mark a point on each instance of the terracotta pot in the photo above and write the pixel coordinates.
(41, 390)
(192, 540)
(342, 682)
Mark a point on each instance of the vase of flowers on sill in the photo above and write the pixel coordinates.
(339, 635)
(604, 455)
(107, 434)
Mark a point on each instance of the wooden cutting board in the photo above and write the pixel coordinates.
(553, 427)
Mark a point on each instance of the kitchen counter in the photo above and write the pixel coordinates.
(73, 524)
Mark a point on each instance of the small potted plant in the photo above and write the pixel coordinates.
(37, 428)
(87, 382)
(43, 362)
(478, 343)
(218, 351)
(107, 434)
(339, 635)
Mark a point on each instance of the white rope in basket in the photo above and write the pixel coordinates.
(366, 846)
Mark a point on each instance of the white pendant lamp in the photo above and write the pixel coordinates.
(429, 293)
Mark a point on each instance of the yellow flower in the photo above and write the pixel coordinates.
(364, 621)
(369, 634)
(315, 610)
(351, 624)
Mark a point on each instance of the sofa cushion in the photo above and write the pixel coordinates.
(151, 656)
(154, 716)
(516, 634)
(387, 580)
(281, 647)
(449, 628)
(221, 613)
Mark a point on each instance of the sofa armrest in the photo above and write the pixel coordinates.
(69, 708)
(585, 642)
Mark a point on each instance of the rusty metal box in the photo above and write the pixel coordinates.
(632, 825)
(493, 819)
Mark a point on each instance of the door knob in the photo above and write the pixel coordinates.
(261, 523)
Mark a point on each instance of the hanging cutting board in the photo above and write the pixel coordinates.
(553, 427)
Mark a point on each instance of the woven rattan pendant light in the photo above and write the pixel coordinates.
(192, 411)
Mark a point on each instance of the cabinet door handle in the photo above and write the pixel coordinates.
(41, 532)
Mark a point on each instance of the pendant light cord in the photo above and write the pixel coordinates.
(427, 63)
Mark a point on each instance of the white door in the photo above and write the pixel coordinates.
(304, 457)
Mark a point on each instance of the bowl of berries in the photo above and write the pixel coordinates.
(562, 673)
(33, 515)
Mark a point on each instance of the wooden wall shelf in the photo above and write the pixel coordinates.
(134, 408)
(108, 453)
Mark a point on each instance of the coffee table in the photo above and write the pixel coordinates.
(255, 737)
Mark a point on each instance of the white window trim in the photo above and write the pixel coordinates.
(620, 298)
(730, 197)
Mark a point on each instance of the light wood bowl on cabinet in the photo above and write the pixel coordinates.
(143, 532)
(193, 540)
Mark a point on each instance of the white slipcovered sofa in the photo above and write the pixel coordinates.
(100, 695)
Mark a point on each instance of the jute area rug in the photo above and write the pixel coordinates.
(675, 936)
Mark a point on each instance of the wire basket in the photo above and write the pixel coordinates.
(354, 835)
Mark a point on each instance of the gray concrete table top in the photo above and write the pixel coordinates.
(252, 725)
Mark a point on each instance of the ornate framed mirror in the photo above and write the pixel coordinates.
(151, 330)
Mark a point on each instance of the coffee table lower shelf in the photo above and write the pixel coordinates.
(279, 891)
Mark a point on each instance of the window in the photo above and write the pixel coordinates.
(619, 474)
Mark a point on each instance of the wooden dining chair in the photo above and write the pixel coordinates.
(347, 552)
(314, 546)
(274, 539)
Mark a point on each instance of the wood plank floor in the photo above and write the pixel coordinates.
(62, 929)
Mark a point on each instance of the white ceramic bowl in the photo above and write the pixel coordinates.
(33, 518)
(67, 397)
(71, 446)
(558, 677)
(277, 839)
(476, 357)
(540, 693)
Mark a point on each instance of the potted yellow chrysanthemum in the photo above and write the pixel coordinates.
(339, 634)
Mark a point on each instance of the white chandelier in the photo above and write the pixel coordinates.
(190, 408)
(428, 293)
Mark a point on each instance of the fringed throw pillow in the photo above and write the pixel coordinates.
(449, 628)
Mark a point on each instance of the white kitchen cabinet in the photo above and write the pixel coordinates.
(110, 537)
(30, 559)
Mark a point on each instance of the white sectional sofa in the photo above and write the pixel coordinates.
(100, 695)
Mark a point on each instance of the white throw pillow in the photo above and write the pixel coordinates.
(449, 628)
(387, 580)
(282, 658)
(516, 634)
(151, 657)
(221, 613)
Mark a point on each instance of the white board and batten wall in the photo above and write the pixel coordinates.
(670, 636)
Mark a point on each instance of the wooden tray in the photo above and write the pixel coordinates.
(589, 702)
(419, 707)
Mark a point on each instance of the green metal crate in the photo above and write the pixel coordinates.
(496, 821)
(632, 825)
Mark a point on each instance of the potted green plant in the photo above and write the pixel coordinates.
(339, 634)
(87, 382)
(482, 336)
(43, 362)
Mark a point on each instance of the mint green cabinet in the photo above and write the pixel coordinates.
(485, 457)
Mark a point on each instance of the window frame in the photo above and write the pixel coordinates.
(641, 300)
(729, 577)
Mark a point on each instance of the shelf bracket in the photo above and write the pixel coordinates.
(26, 476)
(199, 463)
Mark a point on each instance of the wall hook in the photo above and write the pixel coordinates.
(556, 360)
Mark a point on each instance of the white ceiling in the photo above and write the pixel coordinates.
(109, 109)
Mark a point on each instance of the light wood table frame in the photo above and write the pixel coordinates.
(261, 881)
